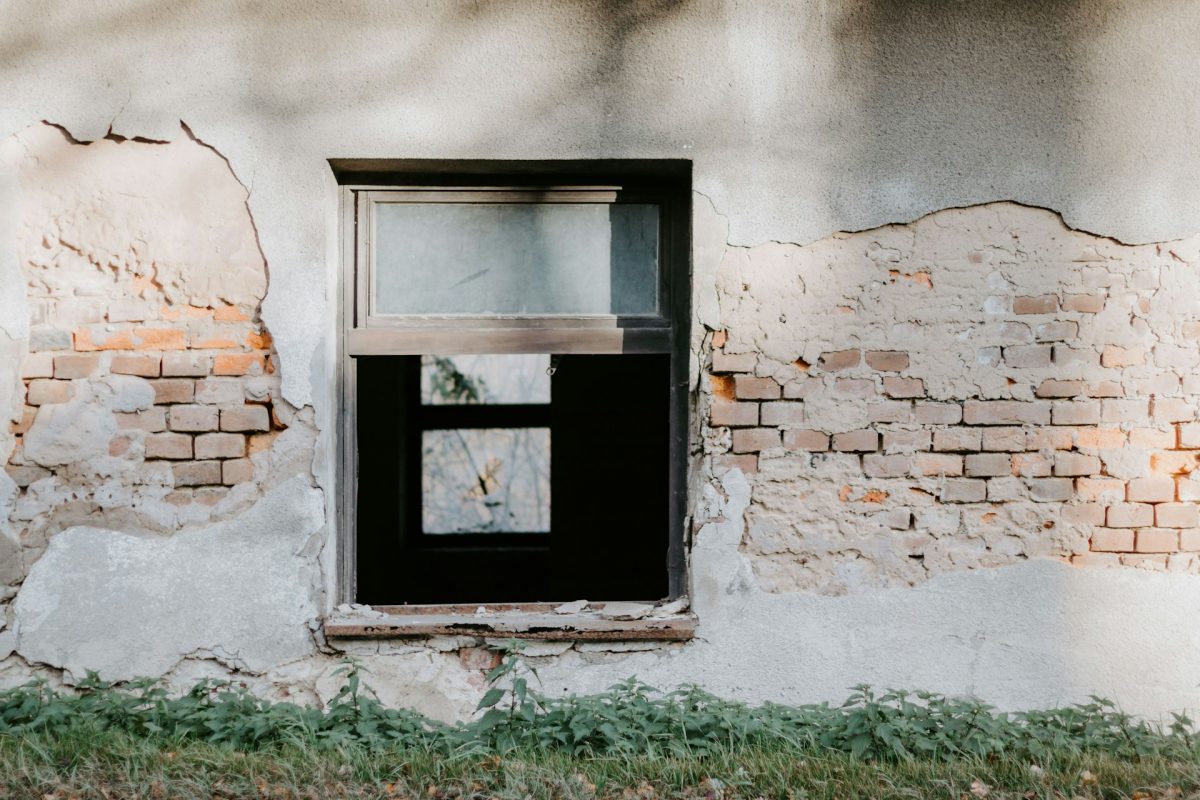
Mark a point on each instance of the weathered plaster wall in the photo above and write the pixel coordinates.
(812, 569)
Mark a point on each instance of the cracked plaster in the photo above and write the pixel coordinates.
(864, 153)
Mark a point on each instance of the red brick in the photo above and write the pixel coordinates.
(186, 365)
(1177, 515)
(1130, 515)
(37, 365)
(1106, 490)
(159, 339)
(887, 360)
(731, 362)
(197, 473)
(1107, 540)
(1051, 490)
(753, 440)
(238, 470)
(840, 359)
(749, 387)
(220, 391)
(1041, 304)
(97, 337)
(1156, 540)
(988, 464)
(1072, 464)
(733, 415)
(145, 365)
(152, 419)
(1008, 440)
(246, 418)
(1114, 356)
(242, 364)
(880, 466)
(1085, 303)
(194, 418)
(782, 412)
(1157, 489)
(1034, 465)
(220, 445)
(1027, 356)
(75, 365)
(1005, 412)
(856, 441)
(964, 490)
(937, 464)
(46, 392)
(903, 387)
(173, 390)
(950, 439)
(814, 441)
(938, 413)
(176, 446)
(906, 441)
(1056, 388)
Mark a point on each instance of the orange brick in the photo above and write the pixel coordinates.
(256, 340)
(245, 364)
(173, 313)
(1158, 489)
(1102, 438)
(1177, 515)
(214, 343)
(229, 314)
(160, 339)
(114, 340)
(1174, 462)
(26, 422)
(937, 464)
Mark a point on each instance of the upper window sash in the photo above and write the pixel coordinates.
(589, 259)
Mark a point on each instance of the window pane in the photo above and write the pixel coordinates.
(516, 258)
(489, 480)
(485, 379)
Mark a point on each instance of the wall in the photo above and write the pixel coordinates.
(919, 449)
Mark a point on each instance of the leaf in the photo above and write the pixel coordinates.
(490, 698)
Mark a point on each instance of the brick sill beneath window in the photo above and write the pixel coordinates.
(528, 621)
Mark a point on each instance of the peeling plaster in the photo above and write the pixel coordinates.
(240, 592)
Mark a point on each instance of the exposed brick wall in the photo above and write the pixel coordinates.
(981, 386)
(211, 371)
(149, 395)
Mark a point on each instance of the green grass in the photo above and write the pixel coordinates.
(119, 765)
(632, 742)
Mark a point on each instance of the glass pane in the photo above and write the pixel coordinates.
(516, 258)
(485, 379)
(489, 480)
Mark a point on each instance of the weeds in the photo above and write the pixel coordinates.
(630, 718)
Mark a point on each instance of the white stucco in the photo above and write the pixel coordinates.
(801, 119)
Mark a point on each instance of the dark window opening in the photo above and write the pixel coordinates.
(484, 501)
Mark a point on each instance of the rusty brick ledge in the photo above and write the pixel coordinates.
(546, 627)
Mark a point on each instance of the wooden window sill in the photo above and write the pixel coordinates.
(516, 621)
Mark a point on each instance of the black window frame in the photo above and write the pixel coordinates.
(665, 183)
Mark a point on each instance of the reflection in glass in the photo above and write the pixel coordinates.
(515, 258)
(485, 379)
(487, 480)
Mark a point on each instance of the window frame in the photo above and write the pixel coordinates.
(364, 334)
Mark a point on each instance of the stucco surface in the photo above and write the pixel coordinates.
(802, 118)
(241, 592)
(1036, 634)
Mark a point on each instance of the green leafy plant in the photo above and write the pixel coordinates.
(631, 718)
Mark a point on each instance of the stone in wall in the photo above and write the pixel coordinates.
(976, 388)
(149, 394)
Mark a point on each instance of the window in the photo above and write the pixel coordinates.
(514, 384)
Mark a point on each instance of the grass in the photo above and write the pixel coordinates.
(111, 765)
